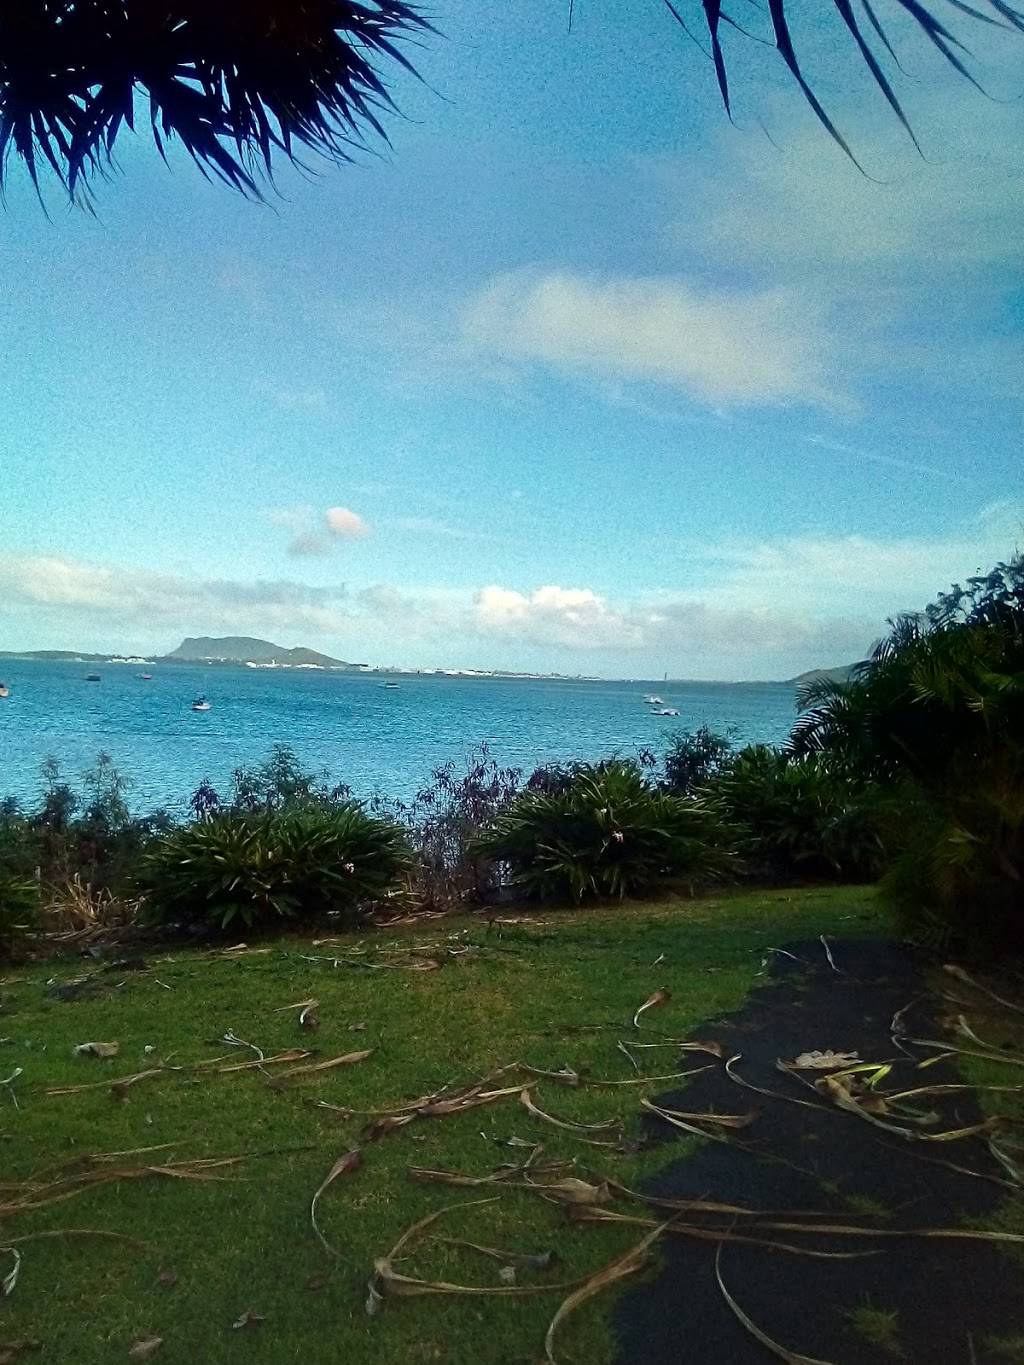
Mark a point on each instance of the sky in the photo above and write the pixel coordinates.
(577, 376)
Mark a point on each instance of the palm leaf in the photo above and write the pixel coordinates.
(996, 13)
(236, 82)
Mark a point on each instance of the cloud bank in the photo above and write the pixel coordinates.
(765, 609)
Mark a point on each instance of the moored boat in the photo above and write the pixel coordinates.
(201, 704)
(92, 677)
(5, 691)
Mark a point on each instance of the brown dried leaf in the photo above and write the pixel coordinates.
(567, 1076)
(349, 1161)
(660, 997)
(293, 1054)
(682, 1123)
(825, 1061)
(608, 1125)
(574, 1191)
(248, 1319)
(782, 1352)
(146, 1349)
(167, 1279)
(386, 1123)
(97, 1050)
(635, 1259)
(518, 1260)
(316, 1068)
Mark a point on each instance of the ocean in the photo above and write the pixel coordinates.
(376, 739)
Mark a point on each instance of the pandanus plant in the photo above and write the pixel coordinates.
(243, 83)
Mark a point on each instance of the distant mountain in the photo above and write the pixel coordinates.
(55, 655)
(843, 673)
(242, 649)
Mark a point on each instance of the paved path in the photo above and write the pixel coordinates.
(951, 1298)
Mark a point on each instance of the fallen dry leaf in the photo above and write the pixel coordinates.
(825, 1061)
(349, 1161)
(248, 1319)
(97, 1049)
(315, 1068)
(7, 1284)
(146, 1348)
(660, 997)
(167, 1279)
(580, 1129)
(791, 1357)
(635, 1259)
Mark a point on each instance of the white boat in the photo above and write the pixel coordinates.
(201, 704)
(654, 701)
(665, 711)
(391, 686)
(5, 691)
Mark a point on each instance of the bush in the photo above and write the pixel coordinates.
(19, 903)
(442, 822)
(800, 817)
(694, 758)
(278, 782)
(267, 866)
(937, 712)
(605, 832)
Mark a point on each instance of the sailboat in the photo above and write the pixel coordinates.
(201, 704)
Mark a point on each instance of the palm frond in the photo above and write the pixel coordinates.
(237, 82)
(925, 16)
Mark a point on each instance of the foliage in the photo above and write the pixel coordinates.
(276, 783)
(268, 866)
(776, 32)
(19, 903)
(800, 817)
(87, 834)
(238, 83)
(694, 758)
(442, 822)
(242, 84)
(606, 832)
(938, 711)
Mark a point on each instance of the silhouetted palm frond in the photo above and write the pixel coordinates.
(235, 81)
(864, 27)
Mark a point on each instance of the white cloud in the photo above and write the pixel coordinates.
(345, 524)
(764, 609)
(70, 591)
(564, 617)
(727, 346)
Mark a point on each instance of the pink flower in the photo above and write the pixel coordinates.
(349, 867)
(618, 836)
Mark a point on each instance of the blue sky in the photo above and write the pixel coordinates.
(577, 377)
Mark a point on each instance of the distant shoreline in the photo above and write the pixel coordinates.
(134, 661)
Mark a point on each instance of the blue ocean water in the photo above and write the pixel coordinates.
(372, 737)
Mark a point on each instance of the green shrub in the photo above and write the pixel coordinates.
(605, 832)
(264, 867)
(19, 904)
(694, 758)
(937, 712)
(800, 817)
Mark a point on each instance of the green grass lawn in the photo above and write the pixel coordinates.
(530, 992)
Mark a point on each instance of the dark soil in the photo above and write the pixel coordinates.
(950, 1299)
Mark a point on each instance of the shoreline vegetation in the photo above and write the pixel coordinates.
(910, 773)
(283, 1021)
